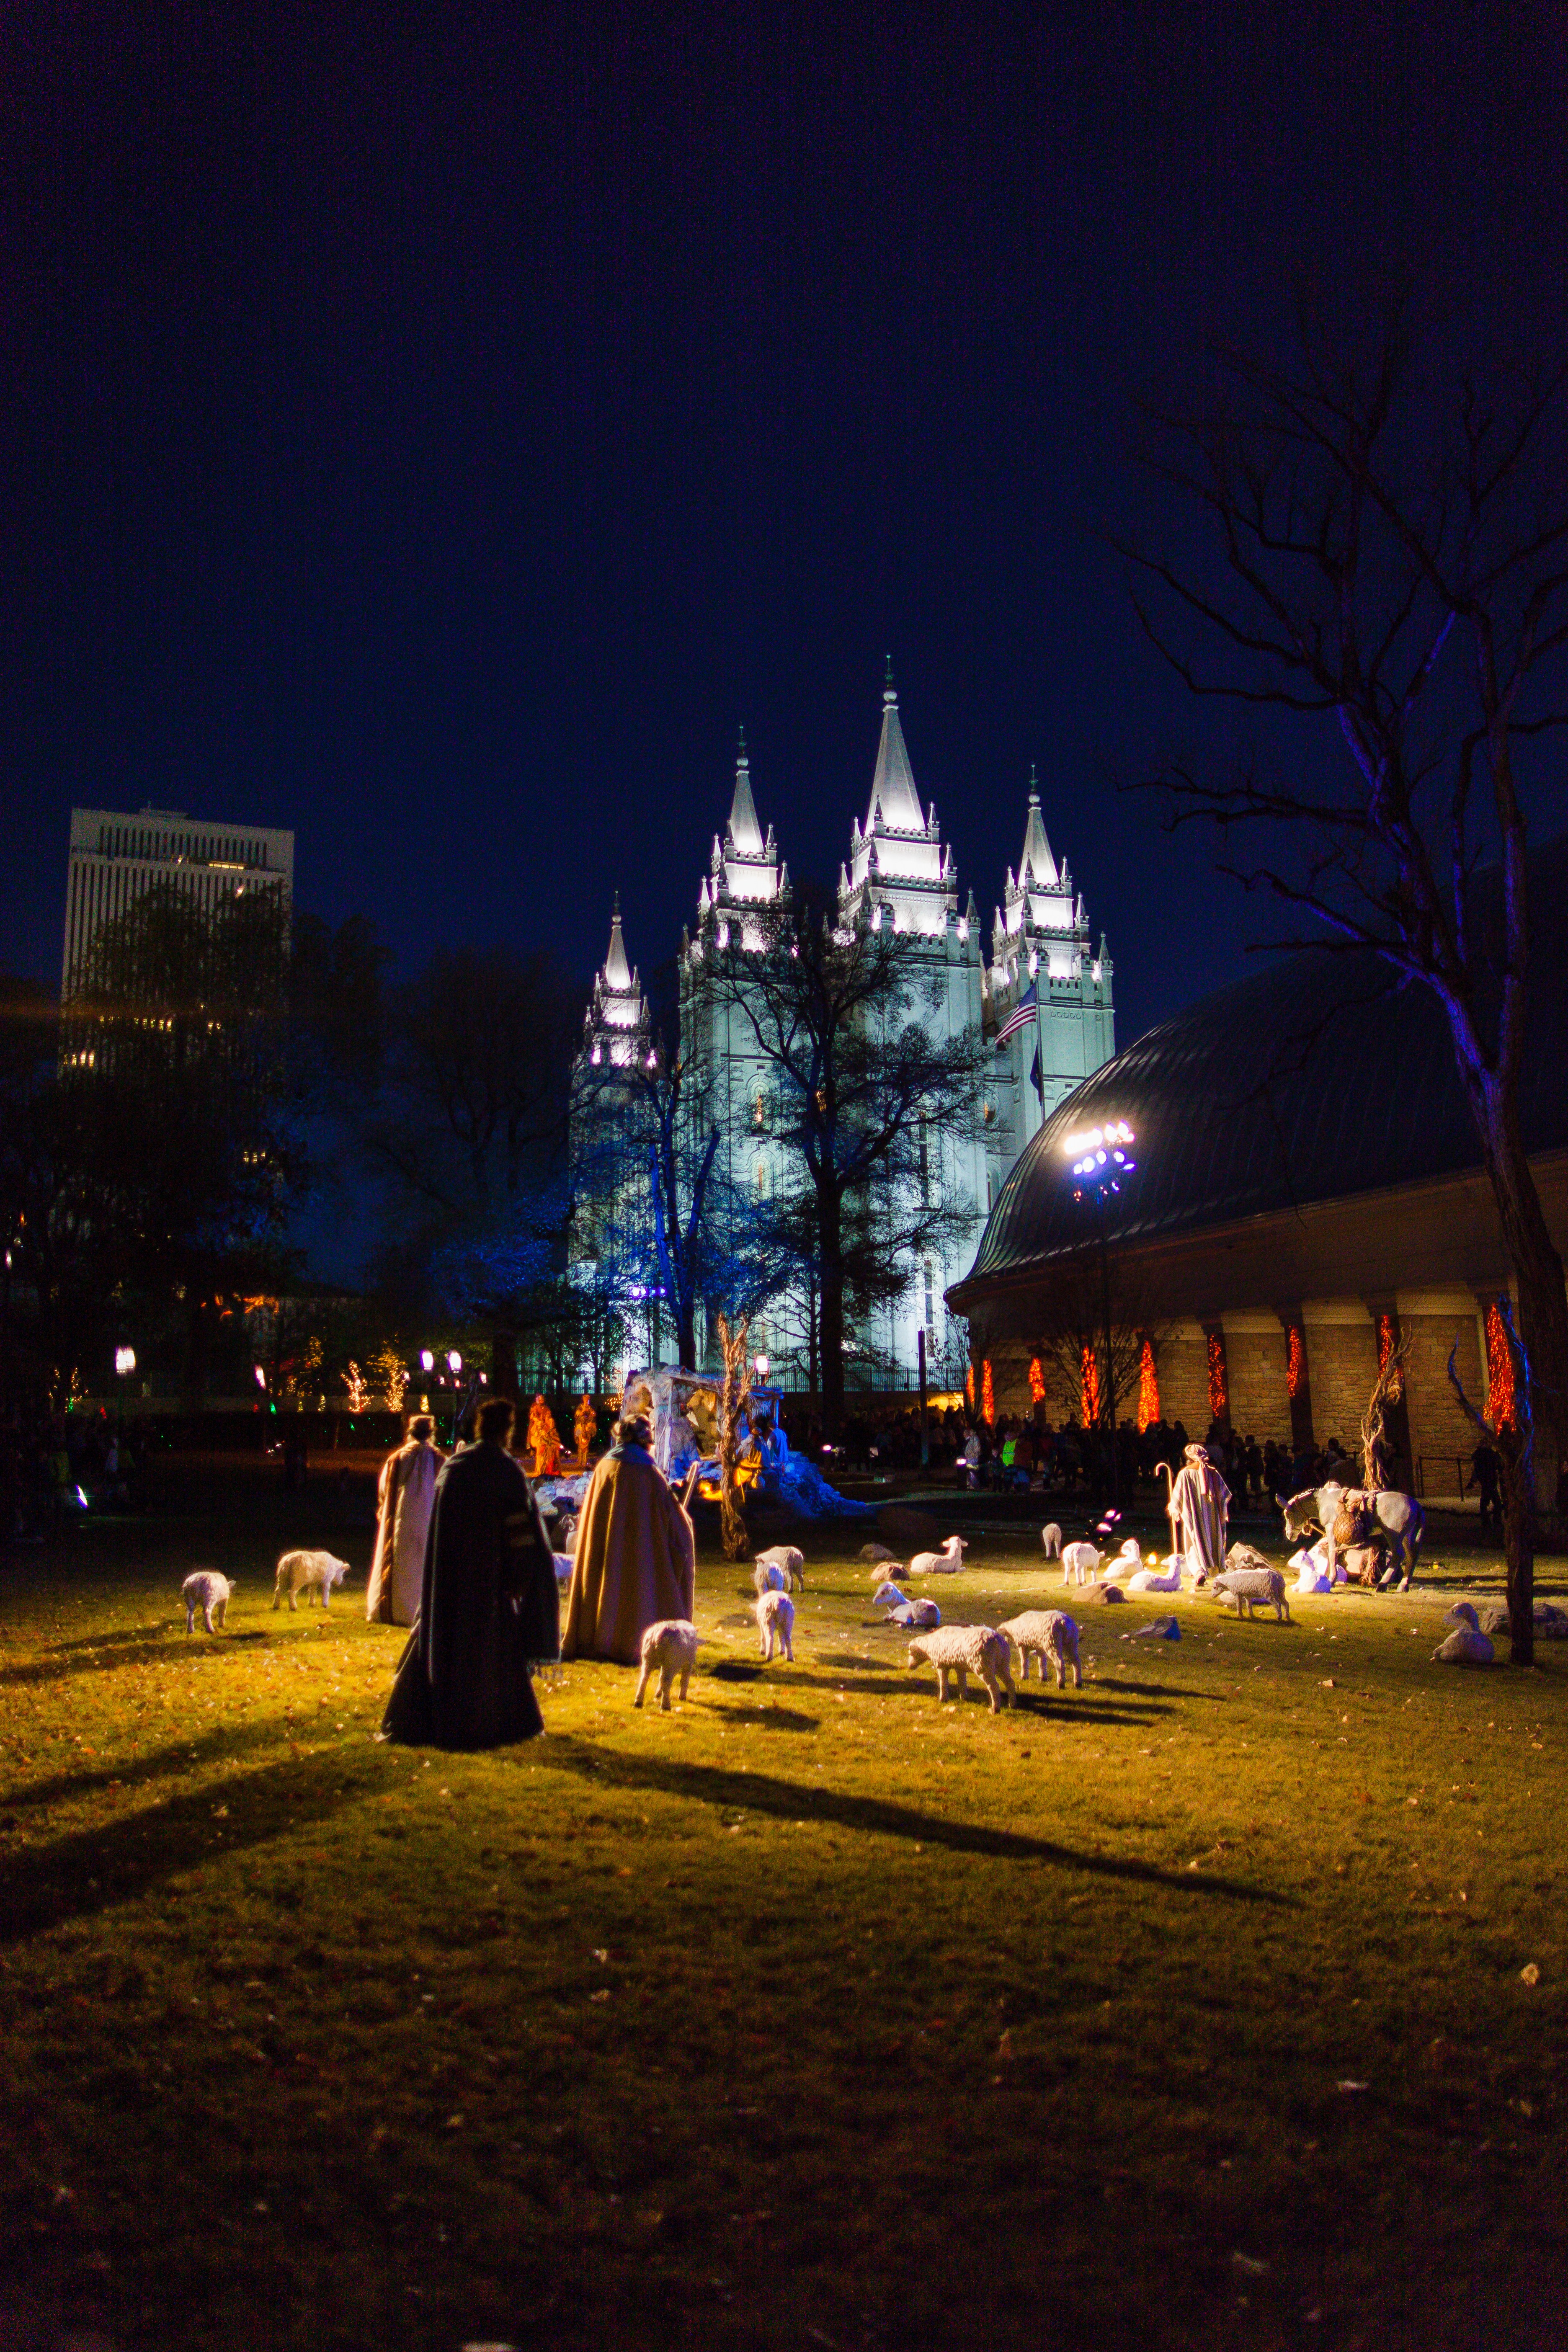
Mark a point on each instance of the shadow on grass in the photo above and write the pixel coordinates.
(771, 1718)
(758, 1793)
(160, 1764)
(85, 1873)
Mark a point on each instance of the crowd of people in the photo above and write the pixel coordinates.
(51, 1462)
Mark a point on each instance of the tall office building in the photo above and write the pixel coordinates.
(115, 859)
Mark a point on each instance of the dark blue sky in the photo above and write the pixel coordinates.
(435, 439)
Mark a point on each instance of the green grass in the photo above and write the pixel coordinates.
(809, 2014)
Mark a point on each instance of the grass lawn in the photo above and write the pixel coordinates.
(1185, 2010)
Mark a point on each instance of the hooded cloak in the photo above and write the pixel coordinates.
(487, 1611)
(1199, 1503)
(634, 1561)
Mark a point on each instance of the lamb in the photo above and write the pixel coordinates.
(1127, 1563)
(1046, 1634)
(308, 1572)
(1312, 1571)
(784, 1557)
(1465, 1646)
(945, 1562)
(671, 1647)
(775, 1614)
(562, 1567)
(1081, 1563)
(1462, 1613)
(914, 1613)
(1051, 1537)
(769, 1577)
(207, 1591)
(875, 1555)
(1247, 1586)
(1150, 1579)
(963, 1650)
(887, 1596)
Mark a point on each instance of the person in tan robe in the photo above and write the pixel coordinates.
(1198, 1508)
(404, 1500)
(634, 1561)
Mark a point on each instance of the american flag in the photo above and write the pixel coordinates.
(1027, 1008)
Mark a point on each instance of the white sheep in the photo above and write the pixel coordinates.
(887, 1596)
(1466, 1645)
(1249, 1586)
(1127, 1563)
(915, 1614)
(775, 1614)
(1046, 1634)
(308, 1572)
(1313, 1572)
(562, 1567)
(769, 1577)
(785, 1557)
(1463, 1613)
(1081, 1563)
(963, 1650)
(1154, 1579)
(1051, 1537)
(945, 1562)
(207, 1591)
(671, 1647)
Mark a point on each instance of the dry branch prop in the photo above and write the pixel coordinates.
(734, 1395)
(1376, 1452)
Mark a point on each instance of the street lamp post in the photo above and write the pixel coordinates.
(1103, 1160)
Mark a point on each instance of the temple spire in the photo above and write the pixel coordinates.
(894, 799)
(618, 971)
(1037, 862)
(745, 833)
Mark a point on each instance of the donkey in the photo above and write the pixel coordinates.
(1400, 1517)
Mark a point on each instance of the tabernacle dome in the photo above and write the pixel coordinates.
(1305, 1164)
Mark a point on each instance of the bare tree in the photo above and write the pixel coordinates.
(868, 1092)
(1393, 561)
(734, 1395)
(1069, 1330)
(1376, 1446)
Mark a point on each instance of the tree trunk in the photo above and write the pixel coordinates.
(830, 1229)
(1538, 1271)
(734, 1391)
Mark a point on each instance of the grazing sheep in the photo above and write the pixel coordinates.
(963, 1650)
(671, 1647)
(1465, 1646)
(877, 1555)
(887, 1596)
(945, 1562)
(774, 1613)
(207, 1591)
(1247, 1586)
(915, 1614)
(308, 1572)
(769, 1577)
(785, 1557)
(1154, 1579)
(1045, 1634)
(1051, 1537)
(1081, 1563)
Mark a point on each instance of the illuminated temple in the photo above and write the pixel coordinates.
(1044, 1005)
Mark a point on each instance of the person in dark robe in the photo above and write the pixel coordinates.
(488, 1609)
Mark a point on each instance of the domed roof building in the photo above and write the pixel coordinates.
(1306, 1189)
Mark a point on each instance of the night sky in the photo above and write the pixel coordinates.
(438, 439)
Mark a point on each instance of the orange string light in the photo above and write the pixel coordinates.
(987, 1393)
(1501, 1406)
(1148, 1388)
(1295, 1360)
(1037, 1380)
(1089, 1382)
(1217, 1392)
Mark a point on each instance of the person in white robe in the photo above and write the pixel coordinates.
(1197, 1510)
(405, 1497)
